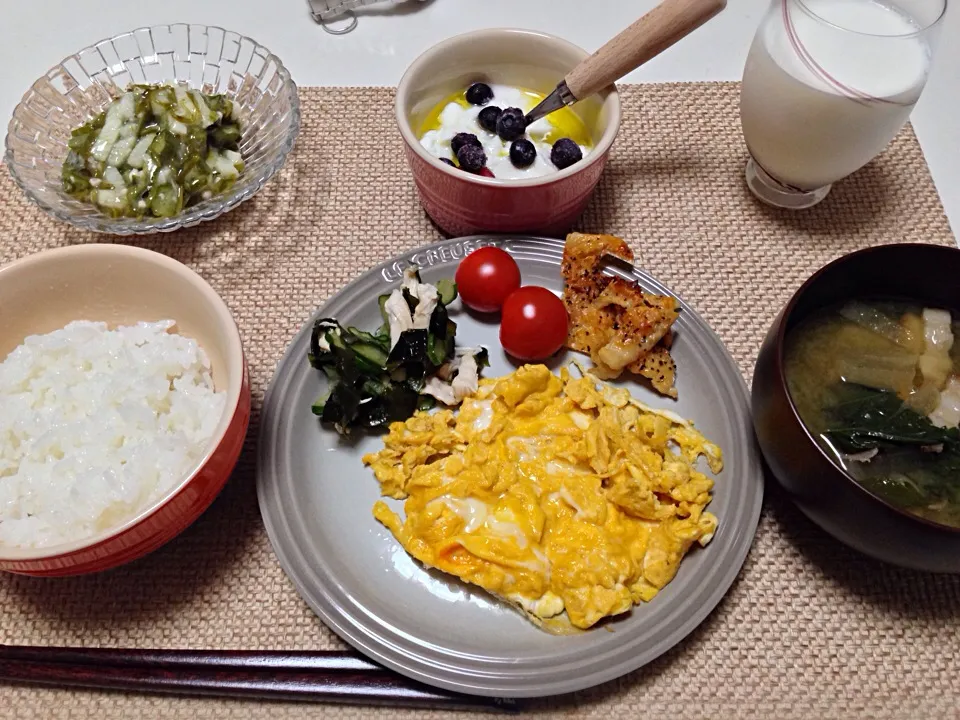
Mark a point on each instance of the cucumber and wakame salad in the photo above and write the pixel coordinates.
(411, 361)
(154, 151)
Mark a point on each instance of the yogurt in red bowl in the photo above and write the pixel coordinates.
(519, 66)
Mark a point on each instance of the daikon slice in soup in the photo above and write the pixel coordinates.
(877, 383)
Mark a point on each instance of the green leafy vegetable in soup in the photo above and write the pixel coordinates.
(154, 151)
(878, 383)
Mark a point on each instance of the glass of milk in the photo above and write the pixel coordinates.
(827, 85)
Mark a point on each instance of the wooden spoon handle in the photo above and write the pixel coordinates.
(646, 38)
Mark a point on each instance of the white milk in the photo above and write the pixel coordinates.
(799, 126)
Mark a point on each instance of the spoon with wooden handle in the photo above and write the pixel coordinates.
(649, 36)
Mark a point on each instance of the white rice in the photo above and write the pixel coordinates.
(96, 424)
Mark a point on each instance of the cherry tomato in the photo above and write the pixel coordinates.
(533, 323)
(486, 277)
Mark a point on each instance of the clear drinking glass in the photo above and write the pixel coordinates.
(827, 85)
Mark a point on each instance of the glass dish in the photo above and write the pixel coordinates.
(210, 59)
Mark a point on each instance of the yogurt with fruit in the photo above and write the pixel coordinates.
(482, 131)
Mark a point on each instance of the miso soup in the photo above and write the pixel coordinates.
(877, 382)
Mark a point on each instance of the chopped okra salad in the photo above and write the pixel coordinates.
(154, 151)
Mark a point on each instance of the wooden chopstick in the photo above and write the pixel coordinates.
(224, 659)
(334, 677)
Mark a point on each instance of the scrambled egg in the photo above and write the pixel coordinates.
(562, 495)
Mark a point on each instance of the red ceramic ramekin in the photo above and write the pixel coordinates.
(122, 285)
(462, 203)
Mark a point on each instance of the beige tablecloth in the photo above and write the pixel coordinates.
(809, 630)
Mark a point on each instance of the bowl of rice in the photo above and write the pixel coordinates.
(124, 404)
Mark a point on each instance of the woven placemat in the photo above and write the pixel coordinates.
(809, 630)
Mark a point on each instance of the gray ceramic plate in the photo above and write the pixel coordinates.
(316, 499)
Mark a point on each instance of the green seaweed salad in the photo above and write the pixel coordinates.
(156, 150)
(408, 364)
(878, 383)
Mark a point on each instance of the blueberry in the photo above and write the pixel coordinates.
(565, 153)
(511, 124)
(471, 158)
(448, 161)
(461, 139)
(522, 153)
(488, 118)
(479, 94)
